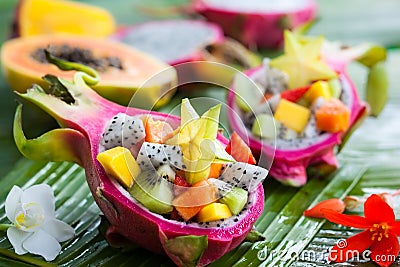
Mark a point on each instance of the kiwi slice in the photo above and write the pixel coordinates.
(264, 126)
(236, 199)
(166, 172)
(153, 191)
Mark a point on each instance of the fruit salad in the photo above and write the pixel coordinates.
(303, 104)
(295, 108)
(183, 174)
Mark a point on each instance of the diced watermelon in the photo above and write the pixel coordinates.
(293, 95)
(180, 183)
(239, 150)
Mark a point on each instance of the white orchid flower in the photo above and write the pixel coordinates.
(35, 228)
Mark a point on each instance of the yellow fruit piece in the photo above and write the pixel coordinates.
(318, 89)
(302, 61)
(60, 16)
(292, 115)
(213, 212)
(119, 163)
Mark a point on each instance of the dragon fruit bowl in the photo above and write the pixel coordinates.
(173, 185)
(289, 157)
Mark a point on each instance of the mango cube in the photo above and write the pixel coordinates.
(119, 163)
(318, 89)
(213, 212)
(292, 115)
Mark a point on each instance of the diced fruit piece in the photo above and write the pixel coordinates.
(190, 202)
(180, 185)
(293, 95)
(264, 126)
(236, 199)
(62, 16)
(239, 150)
(318, 89)
(215, 170)
(197, 140)
(265, 97)
(292, 115)
(213, 212)
(333, 116)
(165, 171)
(153, 192)
(156, 131)
(335, 87)
(119, 163)
(302, 60)
(317, 210)
(248, 95)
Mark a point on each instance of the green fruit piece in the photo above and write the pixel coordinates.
(335, 87)
(372, 55)
(188, 249)
(153, 192)
(236, 199)
(377, 88)
(188, 113)
(248, 94)
(264, 126)
(165, 171)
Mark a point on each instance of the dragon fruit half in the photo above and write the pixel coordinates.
(181, 41)
(91, 124)
(258, 24)
(290, 153)
(172, 41)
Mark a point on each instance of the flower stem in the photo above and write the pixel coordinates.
(5, 226)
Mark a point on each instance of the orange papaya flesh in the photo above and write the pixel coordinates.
(193, 199)
(215, 170)
(61, 16)
(23, 67)
(333, 116)
(156, 130)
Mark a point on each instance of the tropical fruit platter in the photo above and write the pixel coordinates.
(199, 133)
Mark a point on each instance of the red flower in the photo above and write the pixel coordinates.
(380, 233)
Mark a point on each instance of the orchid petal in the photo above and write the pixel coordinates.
(353, 246)
(346, 220)
(384, 252)
(43, 195)
(395, 228)
(58, 229)
(16, 238)
(43, 244)
(12, 202)
(377, 211)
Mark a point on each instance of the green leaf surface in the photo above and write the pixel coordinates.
(369, 162)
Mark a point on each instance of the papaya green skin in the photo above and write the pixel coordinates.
(129, 221)
(144, 97)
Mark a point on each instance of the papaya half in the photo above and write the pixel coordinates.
(125, 72)
(35, 17)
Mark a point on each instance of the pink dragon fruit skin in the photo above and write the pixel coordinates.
(214, 35)
(289, 165)
(78, 140)
(256, 29)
